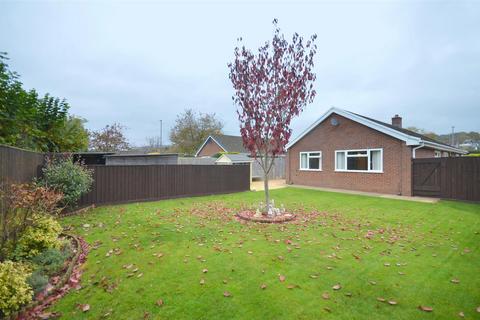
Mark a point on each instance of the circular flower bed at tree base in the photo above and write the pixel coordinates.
(59, 286)
(249, 215)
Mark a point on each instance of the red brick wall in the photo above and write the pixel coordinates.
(209, 149)
(424, 153)
(396, 176)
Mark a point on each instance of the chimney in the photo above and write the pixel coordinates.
(397, 121)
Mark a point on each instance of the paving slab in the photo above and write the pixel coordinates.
(371, 194)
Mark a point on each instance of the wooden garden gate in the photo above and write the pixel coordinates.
(449, 178)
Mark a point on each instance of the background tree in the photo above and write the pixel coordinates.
(33, 122)
(109, 139)
(191, 129)
(426, 133)
(271, 87)
(74, 135)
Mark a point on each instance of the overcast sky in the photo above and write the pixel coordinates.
(138, 62)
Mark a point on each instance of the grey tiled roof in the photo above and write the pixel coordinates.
(230, 143)
(239, 157)
(406, 131)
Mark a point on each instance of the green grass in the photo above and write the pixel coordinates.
(431, 243)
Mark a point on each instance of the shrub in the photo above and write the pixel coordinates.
(40, 236)
(69, 177)
(52, 260)
(37, 281)
(21, 202)
(14, 289)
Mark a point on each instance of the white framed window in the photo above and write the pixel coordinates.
(437, 154)
(361, 160)
(311, 161)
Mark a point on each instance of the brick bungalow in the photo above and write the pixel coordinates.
(221, 143)
(345, 150)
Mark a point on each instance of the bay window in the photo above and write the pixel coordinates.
(364, 160)
(311, 160)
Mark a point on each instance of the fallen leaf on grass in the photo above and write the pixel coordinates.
(381, 299)
(461, 314)
(84, 307)
(281, 278)
(205, 270)
(325, 296)
(455, 281)
(202, 282)
(159, 302)
(227, 294)
(49, 315)
(337, 287)
(392, 302)
(425, 308)
(314, 276)
(292, 286)
(263, 286)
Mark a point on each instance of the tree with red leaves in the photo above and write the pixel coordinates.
(271, 87)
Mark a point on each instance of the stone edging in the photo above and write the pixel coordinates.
(242, 216)
(78, 211)
(70, 279)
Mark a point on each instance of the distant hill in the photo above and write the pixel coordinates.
(458, 137)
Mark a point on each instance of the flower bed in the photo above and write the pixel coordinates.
(250, 215)
(59, 285)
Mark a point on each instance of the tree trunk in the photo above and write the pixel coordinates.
(267, 194)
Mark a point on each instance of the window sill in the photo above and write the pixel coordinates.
(359, 171)
(310, 169)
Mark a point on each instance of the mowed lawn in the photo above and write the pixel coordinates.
(190, 253)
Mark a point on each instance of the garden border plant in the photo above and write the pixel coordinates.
(67, 176)
(69, 280)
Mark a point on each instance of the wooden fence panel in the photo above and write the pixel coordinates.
(449, 178)
(277, 171)
(121, 184)
(18, 166)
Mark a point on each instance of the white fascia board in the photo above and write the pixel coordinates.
(409, 140)
(205, 142)
(444, 147)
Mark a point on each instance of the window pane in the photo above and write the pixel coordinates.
(340, 161)
(355, 153)
(314, 154)
(376, 160)
(303, 161)
(357, 163)
(314, 163)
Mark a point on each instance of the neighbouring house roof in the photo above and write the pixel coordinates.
(235, 158)
(226, 142)
(411, 138)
